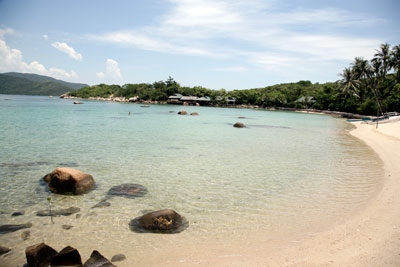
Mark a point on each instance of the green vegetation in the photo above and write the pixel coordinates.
(33, 84)
(365, 87)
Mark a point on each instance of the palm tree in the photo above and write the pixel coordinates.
(383, 57)
(395, 59)
(349, 84)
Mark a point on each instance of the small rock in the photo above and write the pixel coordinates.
(239, 125)
(97, 260)
(162, 221)
(77, 216)
(18, 213)
(39, 255)
(128, 190)
(25, 235)
(4, 250)
(102, 204)
(68, 256)
(66, 227)
(118, 257)
(8, 228)
(60, 212)
(182, 112)
(171, 111)
(194, 113)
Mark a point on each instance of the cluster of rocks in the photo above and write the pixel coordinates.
(184, 112)
(44, 255)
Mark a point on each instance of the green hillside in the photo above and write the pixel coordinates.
(33, 84)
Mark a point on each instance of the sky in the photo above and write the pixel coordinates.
(230, 44)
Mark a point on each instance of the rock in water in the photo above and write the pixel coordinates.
(8, 228)
(25, 235)
(239, 125)
(68, 256)
(97, 260)
(102, 204)
(39, 255)
(161, 221)
(61, 212)
(17, 213)
(69, 181)
(4, 250)
(66, 227)
(118, 257)
(194, 113)
(128, 190)
(182, 112)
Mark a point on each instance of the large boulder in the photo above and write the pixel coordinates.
(161, 221)
(69, 181)
(39, 255)
(68, 256)
(128, 190)
(97, 260)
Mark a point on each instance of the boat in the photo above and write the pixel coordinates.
(386, 117)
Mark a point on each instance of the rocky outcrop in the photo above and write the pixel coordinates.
(182, 112)
(163, 221)
(97, 260)
(128, 190)
(69, 181)
(239, 125)
(39, 255)
(68, 256)
(8, 228)
(60, 212)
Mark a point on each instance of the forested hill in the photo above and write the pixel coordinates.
(33, 84)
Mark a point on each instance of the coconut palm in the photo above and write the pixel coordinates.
(349, 84)
(383, 56)
(395, 58)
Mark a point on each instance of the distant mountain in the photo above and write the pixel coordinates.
(33, 84)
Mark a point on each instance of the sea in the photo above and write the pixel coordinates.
(284, 173)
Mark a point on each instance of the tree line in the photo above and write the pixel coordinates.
(365, 87)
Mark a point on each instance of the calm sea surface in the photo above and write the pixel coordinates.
(284, 172)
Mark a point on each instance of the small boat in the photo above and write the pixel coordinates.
(76, 102)
(387, 117)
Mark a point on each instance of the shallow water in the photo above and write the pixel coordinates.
(284, 173)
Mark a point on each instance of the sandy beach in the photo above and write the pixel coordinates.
(370, 237)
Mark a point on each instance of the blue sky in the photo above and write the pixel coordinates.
(233, 44)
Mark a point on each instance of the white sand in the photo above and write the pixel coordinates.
(371, 237)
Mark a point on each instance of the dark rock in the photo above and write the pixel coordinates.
(8, 228)
(69, 181)
(66, 227)
(171, 111)
(68, 256)
(39, 255)
(118, 257)
(128, 190)
(97, 260)
(182, 112)
(18, 213)
(77, 103)
(4, 250)
(239, 125)
(61, 212)
(25, 235)
(77, 216)
(102, 204)
(194, 113)
(162, 221)
(241, 117)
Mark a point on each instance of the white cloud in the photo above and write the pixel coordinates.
(12, 60)
(65, 48)
(6, 31)
(231, 69)
(45, 36)
(112, 71)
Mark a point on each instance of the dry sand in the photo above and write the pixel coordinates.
(370, 237)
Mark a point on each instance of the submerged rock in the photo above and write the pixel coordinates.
(17, 213)
(239, 125)
(39, 255)
(66, 227)
(8, 228)
(162, 221)
(25, 235)
(128, 190)
(182, 112)
(4, 250)
(102, 204)
(68, 256)
(118, 257)
(60, 212)
(69, 181)
(97, 260)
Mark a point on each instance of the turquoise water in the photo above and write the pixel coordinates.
(283, 172)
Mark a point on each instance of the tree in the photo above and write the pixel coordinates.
(349, 84)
